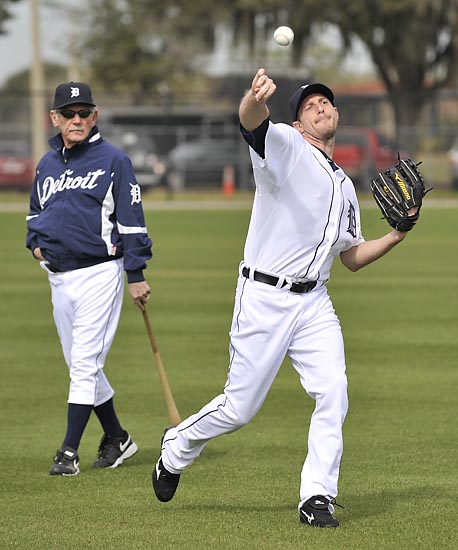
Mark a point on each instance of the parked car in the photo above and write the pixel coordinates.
(149, 167)
(201, 162)
(452, 155)
(16, 166)
(362, 153)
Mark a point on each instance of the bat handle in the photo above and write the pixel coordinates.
(149, 329)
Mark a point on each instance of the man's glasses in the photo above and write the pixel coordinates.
(70, 113)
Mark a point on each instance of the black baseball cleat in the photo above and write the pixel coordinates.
(315, 512)
(114, 450)
(65, 463)
(164, 482)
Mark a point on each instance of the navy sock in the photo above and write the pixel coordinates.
(77, 419)
(108, 419)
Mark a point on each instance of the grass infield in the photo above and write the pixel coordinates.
(399, 481)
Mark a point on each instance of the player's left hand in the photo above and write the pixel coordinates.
(399, 194)
(140, 293)
(37, 254)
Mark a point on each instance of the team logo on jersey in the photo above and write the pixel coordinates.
(135, 193)
(67, 180)
(351, 215)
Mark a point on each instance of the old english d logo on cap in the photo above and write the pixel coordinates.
(74, 91)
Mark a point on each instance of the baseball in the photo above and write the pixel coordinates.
(284, 36)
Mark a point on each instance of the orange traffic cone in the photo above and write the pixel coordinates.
(228, 180)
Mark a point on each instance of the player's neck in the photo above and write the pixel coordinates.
(327, 146)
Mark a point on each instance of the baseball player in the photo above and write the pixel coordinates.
(86, 227)
(305, 213)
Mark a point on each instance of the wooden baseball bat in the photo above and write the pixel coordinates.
(172, 411)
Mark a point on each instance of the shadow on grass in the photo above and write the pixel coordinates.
(237, 507)
(359, 506)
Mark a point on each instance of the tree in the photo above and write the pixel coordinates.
(413, 44)
(5, 13)
(141, 47)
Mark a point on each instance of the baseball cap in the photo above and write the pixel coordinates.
(71, 93)
(308, 89)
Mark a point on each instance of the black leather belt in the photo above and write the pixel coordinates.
(299, 287)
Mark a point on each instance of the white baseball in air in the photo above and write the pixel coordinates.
(284, 36)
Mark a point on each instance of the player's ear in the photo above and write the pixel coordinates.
(298, 126)
(54, 118)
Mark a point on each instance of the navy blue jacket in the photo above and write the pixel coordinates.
(85, 208)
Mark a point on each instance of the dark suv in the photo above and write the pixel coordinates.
(201, 162)
(149, 167)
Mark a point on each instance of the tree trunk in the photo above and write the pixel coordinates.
(408, 110)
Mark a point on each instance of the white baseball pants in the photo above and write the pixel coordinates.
(268, 324)
(87, 305)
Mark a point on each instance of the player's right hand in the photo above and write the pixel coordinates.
(263, 87)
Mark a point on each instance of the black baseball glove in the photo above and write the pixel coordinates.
(397, 191)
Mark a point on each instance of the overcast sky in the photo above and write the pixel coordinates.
(16, 45)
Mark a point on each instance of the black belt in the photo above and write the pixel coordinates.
(299, 288)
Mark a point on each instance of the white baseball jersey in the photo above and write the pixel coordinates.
(305, 210)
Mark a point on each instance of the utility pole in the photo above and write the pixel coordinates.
(37, 91)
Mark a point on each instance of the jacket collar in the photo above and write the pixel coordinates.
(57, 142)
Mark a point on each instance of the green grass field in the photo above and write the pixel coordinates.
(399, 476)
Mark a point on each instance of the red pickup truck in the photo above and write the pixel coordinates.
(362, 153)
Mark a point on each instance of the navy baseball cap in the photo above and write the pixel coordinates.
(308, 89)
(71, 93)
